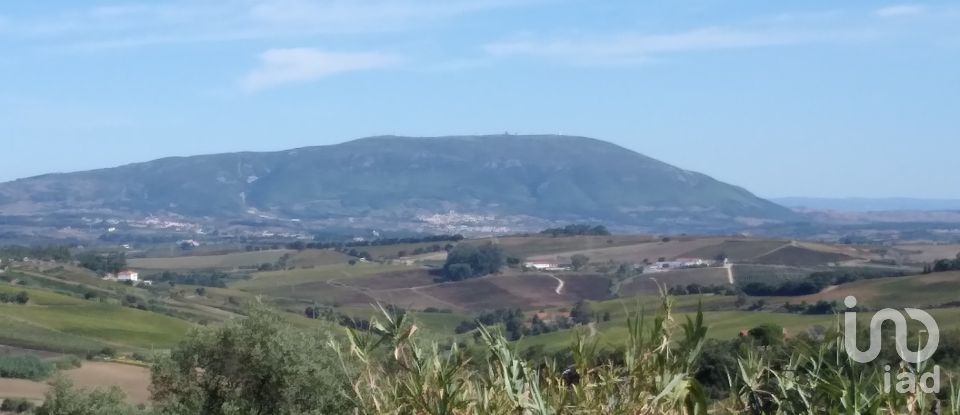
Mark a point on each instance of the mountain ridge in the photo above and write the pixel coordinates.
(551, 177)
(869, 204)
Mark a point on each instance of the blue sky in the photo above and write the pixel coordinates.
(812, 98)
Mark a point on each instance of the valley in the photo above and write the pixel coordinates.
(71, 310)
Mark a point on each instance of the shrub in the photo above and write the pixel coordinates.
(16, 405)
(68, 362)
(467, 261)
(108, 352)
(767, 334)
(25, 367)
(141, 357)
(21, 298)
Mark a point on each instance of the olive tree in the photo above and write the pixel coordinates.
(64, 399)
(255, 365)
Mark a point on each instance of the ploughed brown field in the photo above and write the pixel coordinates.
(134, 381)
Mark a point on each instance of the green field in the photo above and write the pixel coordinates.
(288, 278)
(770, 274)
(224, 261)
(917, 291)
(392, 251)
(327, 284)
(19, 333)
(722, 325)
(317, 257)
(59, 322)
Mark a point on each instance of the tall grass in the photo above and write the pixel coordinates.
(392, 372)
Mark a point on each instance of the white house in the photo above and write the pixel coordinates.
(128, 275)
(679, 263)
(539, 266)
(189, 242)
(691, 262)
(544, 266)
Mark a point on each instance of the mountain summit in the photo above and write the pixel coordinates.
(529, 177)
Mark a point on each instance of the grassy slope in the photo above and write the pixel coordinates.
(59, 322)
(918, 291)
(289, 278)
(317, 257)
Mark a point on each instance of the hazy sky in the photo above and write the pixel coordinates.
(813, 98)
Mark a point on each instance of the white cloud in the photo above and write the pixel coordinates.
(901, 10)
(630, 48)
(285, 66)
(120, 25)
(365, 15)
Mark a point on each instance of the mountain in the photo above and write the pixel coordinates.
(862, 204)
(516, 179)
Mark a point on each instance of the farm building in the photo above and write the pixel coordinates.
(679, 263)
(128, 275)
(544, 266)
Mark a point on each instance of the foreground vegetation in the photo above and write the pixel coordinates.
(261, 365)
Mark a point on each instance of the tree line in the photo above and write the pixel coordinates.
(58, 253)
(103, 262)
(815, 282)
(943, 265)
(301, 245)
(577, 230)
(216, 279)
